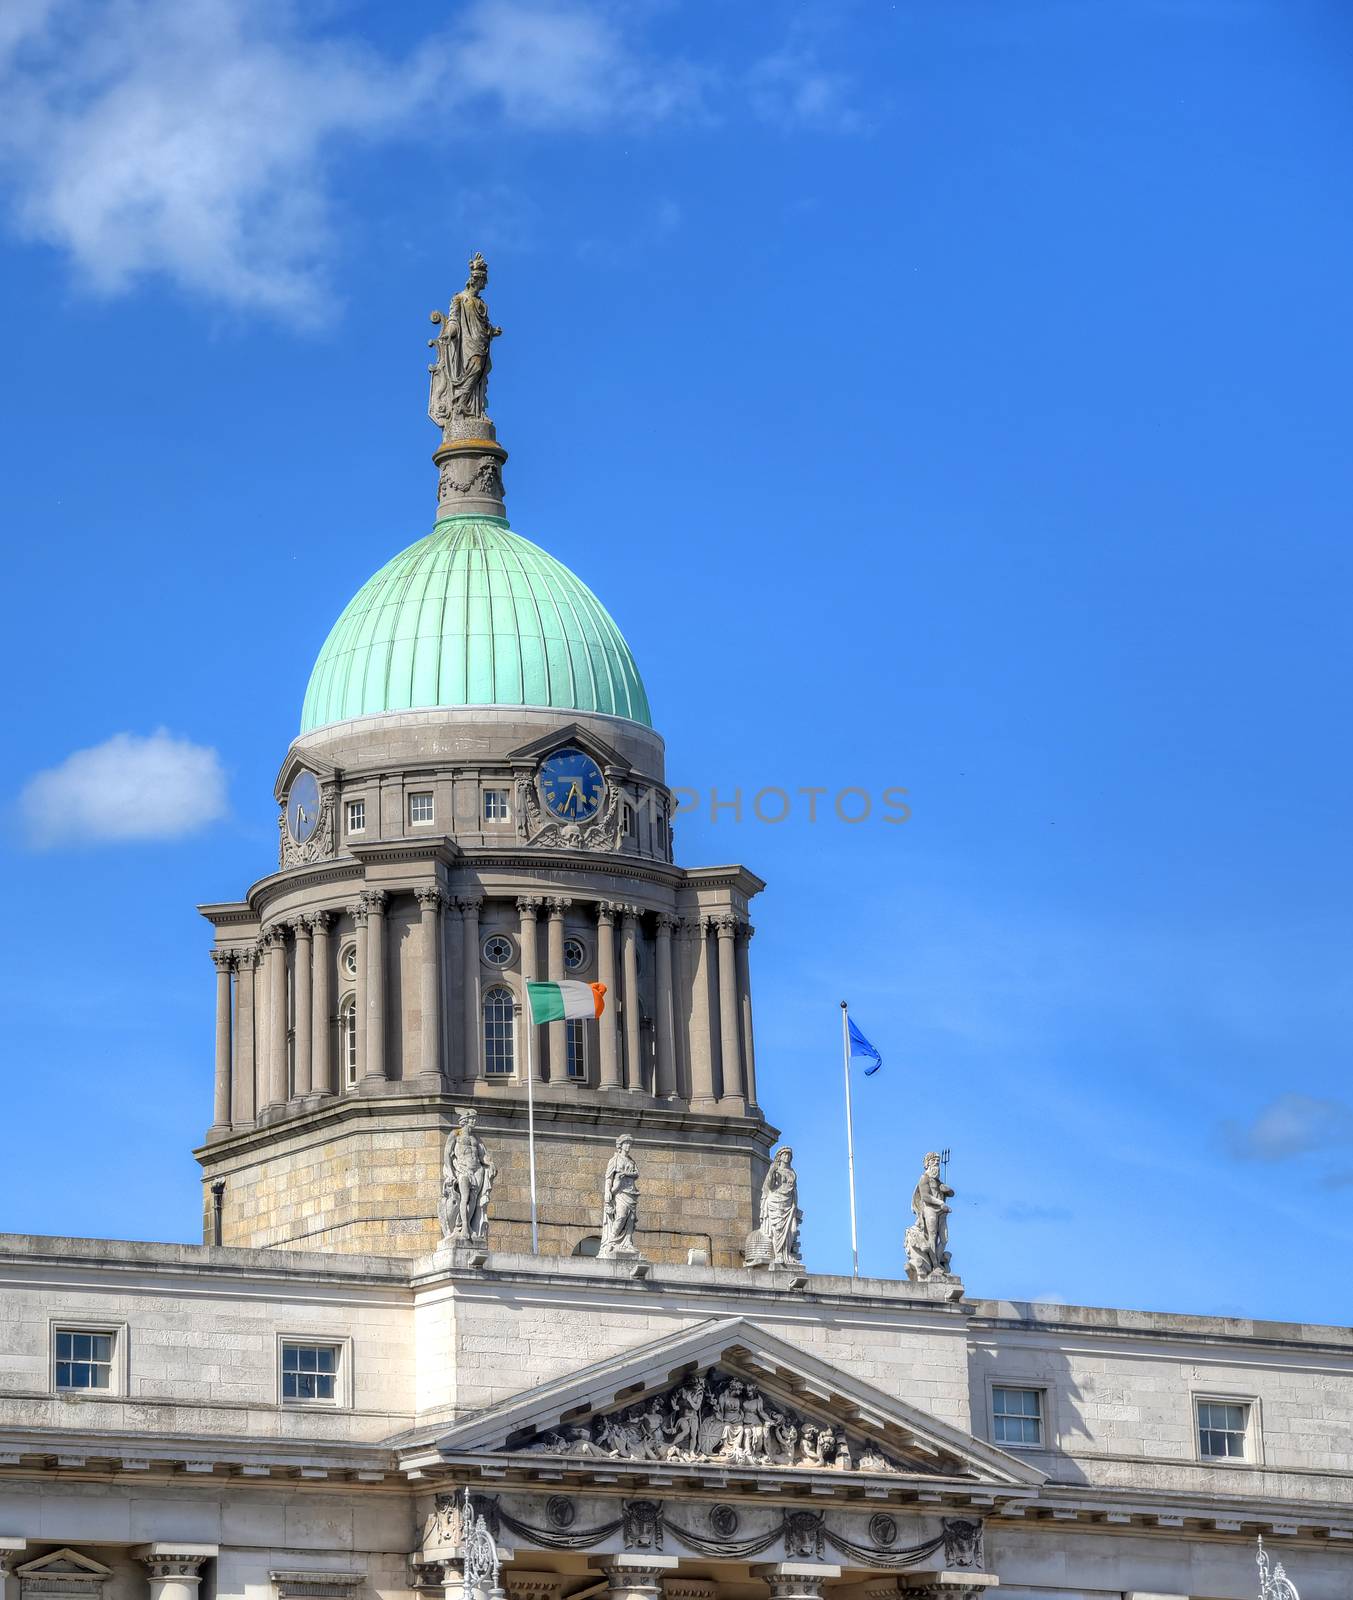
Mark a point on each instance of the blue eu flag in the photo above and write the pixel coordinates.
(860, 1046)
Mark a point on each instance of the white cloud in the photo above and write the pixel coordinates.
(195, 139)
(199, 141)
(129, 787)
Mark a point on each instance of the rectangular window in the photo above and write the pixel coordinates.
(420, 808)
(1017, 1416)
(495, 805)
(627, 819)
(1223, 1426)
(577, 1047)
(84, 1359)
(356, 816)
(309, 1372)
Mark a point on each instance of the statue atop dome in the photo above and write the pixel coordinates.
(460, 373)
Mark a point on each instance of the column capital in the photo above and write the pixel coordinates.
(726, 925)
(557, 905)
(274, 936)
(663, 923)
(529, 905)
(224, 960)
(467, 903)
(300, 928)
(607, 910)
(746, 930)
(631, 913)
(430, 897)
(695, 927)
(320, 921)
(375, 901)
(796, 1580)
(357, 911)
(184, 1564)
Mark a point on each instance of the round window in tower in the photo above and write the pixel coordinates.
(350, 960)
(497, 950)
(575, 954)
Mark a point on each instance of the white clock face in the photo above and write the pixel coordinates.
(303, 806)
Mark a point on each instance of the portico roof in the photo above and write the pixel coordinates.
(529, 1432)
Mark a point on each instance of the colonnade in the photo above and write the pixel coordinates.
(276, 1004)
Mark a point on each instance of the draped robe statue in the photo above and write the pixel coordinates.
(620, 1202)
(780, 1214)
(460, 374)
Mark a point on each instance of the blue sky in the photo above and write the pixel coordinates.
(952, 396)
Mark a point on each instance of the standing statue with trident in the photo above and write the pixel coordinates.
(1274, 1584)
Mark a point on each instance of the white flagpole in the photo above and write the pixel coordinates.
(529, 1022)
(850, 1143)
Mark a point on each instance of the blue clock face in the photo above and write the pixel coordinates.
(572, 785)
(303, 806)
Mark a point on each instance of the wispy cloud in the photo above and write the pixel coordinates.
(198, 140)
(130, 787)
(1292, 1125)
(791, 88)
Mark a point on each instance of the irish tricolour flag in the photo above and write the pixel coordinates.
(553, 1002)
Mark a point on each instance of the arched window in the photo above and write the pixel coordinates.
(347, 1040)
(577, 1047)
(498, 1039)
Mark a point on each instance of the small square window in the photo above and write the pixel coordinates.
(309, 1373)
(356, 816)
(1017, 1416)
(420, 808)
(495, 805)
(84, 1359)
(1223, 1428)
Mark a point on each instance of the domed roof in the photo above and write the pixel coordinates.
(473, 615)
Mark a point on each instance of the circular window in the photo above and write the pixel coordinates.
(497, 949)
(575, 954)
(350, 961)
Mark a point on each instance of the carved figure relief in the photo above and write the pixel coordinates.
(467, 1182)
(710, 1417)
(480, 477)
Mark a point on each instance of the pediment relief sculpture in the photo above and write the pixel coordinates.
(718, 1417)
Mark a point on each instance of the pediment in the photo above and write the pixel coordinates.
(302, 761)
(65, 1563)
(572, 735)
(726, 1395)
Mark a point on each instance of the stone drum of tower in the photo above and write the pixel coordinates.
(476, 799)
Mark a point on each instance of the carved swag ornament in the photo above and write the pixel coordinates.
(710, 1417)
(601, 833)
(322, 844)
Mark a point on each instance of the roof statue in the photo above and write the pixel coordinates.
(460, 373)
(927, 1239)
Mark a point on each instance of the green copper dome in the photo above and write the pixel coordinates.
(473, 615)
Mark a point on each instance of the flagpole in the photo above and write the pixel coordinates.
(529, 1021)
(850, 1142)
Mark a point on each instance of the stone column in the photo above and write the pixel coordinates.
(730, 1021)
(745, 932)
(469, 905)
(358, 914)
(275, 960)
(796, 1580)
(557, 1032)
(225, 964)
(243, 1083)
(528, 942)
(458, 1069)
(304, 1016)
(665, 1086)
(11, 1550)
(321, 1006)
(608, 1051)
(629, 959)
(702, 1052)
(638, 1576)
(373, 1070)
(175, 1569)
(430, 903)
